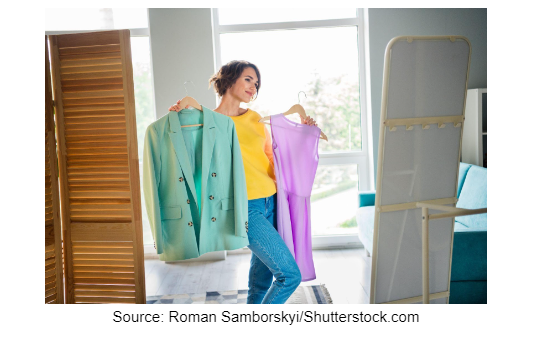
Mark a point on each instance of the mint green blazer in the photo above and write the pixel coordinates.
(194, 185)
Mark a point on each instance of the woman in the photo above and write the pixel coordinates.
(236, 82)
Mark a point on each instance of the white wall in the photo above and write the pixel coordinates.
(181, 50)
(385, 24)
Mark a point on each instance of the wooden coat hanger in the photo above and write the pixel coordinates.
(191, 102)
(295, 109)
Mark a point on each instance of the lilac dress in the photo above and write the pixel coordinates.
(295, 161)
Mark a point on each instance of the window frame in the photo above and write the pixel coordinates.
(361, 158)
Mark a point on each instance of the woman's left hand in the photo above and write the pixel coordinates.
(308, 120)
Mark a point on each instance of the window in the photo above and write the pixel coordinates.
(143, 96)
(320, 53)
(237, 16)
(89, 19)
(334, 200)
(308, 60)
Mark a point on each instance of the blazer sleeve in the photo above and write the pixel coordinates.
(151, 180)
(239, 185)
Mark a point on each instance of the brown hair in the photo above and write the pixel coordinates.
(228, 74)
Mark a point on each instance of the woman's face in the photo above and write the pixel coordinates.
(245, 86)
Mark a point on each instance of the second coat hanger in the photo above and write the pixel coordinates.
(295, 109)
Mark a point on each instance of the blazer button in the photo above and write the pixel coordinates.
(181, 179)
(246, 223)
(187, 201)
(190, 224)
(213, 219)
(211, 197)
(214, 174)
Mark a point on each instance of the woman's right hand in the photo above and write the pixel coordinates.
(176, 107)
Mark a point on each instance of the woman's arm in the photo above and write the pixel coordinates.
(268, 147)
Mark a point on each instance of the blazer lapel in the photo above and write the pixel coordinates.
(175, 134)
(208, 142)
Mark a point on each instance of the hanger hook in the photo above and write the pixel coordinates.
(298, 99)
(185, 85)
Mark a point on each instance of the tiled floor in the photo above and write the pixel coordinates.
(345, 272)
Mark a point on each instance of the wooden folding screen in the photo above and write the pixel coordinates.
(54, 291)
(99, 169)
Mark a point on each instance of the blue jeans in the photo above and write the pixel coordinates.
(270, 256)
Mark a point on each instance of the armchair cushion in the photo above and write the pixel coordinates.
(473, 195)
(464, 167)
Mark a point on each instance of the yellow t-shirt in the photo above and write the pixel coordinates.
(258, 158)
